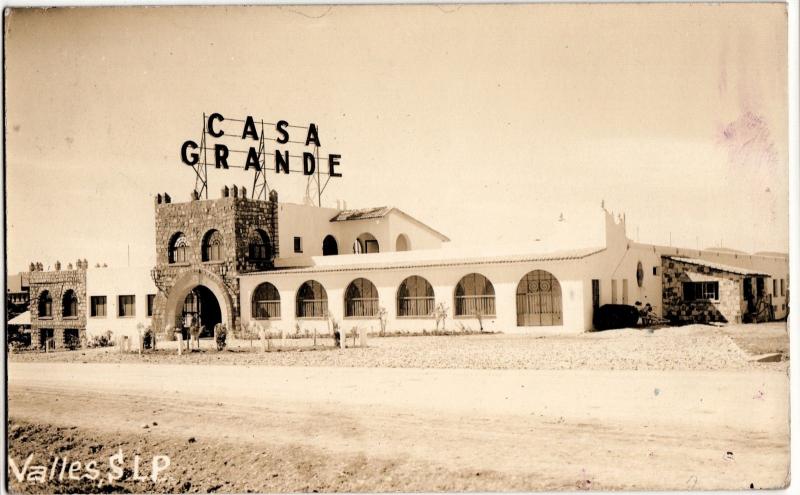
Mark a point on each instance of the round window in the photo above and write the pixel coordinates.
(639, 274)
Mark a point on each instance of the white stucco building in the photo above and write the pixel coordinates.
(240, 261)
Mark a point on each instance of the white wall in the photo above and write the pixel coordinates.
(313, 224)
(113, 282)
(504, 277)
(310, 223)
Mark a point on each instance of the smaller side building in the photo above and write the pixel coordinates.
(58, 308)
(701, 291)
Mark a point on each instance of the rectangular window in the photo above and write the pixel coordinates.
(783, 288)
(151, 299)
(126, 306)
(595, 293)
(774, 286)
(700, 291)
(98, 306)
(655, 270)
(613, 292)
(298, 245)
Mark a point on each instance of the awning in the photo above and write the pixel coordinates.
(21, 319)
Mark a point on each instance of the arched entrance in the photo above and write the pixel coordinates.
(202, 306)
(214, 301)
(539, 300)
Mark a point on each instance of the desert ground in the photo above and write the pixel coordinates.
(678, 408)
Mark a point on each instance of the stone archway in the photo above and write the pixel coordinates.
(213, 287)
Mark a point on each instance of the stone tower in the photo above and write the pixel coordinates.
(201, 248)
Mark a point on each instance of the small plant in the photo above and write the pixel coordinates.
(220, 335)
(383, 317)
(440, 313)
(17, 346)
(72, 342)
(333, 327)
(103, 340)
(147, 338)
(479, 315)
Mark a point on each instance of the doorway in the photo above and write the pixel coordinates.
(201, 306)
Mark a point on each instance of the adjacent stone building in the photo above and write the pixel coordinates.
(58, 305)
(699, 291)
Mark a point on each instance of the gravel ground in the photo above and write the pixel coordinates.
(692, 347)
(207, 466)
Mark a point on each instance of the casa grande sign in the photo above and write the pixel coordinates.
(254, 136)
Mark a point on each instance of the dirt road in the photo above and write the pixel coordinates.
(525, 429)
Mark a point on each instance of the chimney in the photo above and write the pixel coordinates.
(158, 198)
(225, 191)
(235, 191)
(244, 193)
(167, 199)
(32, 267)
(69, 266)
(58, 265)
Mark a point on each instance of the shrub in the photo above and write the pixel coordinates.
(17, 346)
(220, 335)
(102, 340)
(72, 341)
(610, 316)
(147, 338)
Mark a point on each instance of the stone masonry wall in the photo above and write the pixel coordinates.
(57, 283)
(234, 217)
(727, 309)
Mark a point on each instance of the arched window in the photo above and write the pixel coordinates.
(415, 297)
(45, 304)
(212, 246)
(361, 299)
(366, 243)
(329, 246)
(402, 243)
(312, 300)
(266, 302)
(474, 296)
(69, 304)
(259, 246)
(178, 248)
(538, 300)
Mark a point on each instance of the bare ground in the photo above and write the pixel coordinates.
(693, 347)
(368, 429)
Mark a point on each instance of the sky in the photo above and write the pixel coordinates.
(486, 122)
